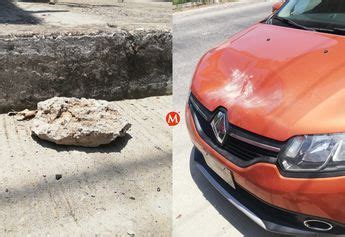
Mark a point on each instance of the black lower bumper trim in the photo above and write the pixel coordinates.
(271, 218)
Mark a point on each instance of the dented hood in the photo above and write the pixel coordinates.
(276, 81)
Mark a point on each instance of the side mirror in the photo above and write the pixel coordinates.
(277, 6)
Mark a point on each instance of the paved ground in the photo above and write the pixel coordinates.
(119, 189)
(198, 209)
(41, 18)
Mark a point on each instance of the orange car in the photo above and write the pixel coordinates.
(265, 115)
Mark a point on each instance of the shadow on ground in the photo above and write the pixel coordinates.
(72, 183)
(10, 13)
(95, 174)
(116, 146)
(236, 218)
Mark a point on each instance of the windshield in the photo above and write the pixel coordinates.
(319, 15)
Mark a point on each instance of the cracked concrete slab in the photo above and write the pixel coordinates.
(63, 50)
(112, 190)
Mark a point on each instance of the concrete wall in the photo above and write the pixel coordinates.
(103, 66)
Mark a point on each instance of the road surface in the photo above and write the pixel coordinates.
(121, 189)
(198, 210)
(34, 18)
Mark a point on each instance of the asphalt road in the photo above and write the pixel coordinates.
(198, 210)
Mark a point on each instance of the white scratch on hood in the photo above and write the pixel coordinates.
(240, 90)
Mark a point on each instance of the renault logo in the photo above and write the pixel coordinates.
(219, 126)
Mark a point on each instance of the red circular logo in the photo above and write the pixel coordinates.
(173, 118)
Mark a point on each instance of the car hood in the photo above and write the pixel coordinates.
(276, 81)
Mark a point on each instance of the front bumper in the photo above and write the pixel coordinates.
(276, 203)
(266, 216)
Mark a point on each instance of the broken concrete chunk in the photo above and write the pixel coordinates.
(79, 122)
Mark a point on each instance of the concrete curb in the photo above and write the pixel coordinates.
(110, 66)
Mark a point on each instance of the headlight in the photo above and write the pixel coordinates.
(314, 153)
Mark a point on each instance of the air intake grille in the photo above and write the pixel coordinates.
(241, 149)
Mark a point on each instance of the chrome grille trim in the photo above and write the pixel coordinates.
(254, 143)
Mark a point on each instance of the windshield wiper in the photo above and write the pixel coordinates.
(292, 23)
(331, 30)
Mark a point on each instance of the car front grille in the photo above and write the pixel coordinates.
(244, 145)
